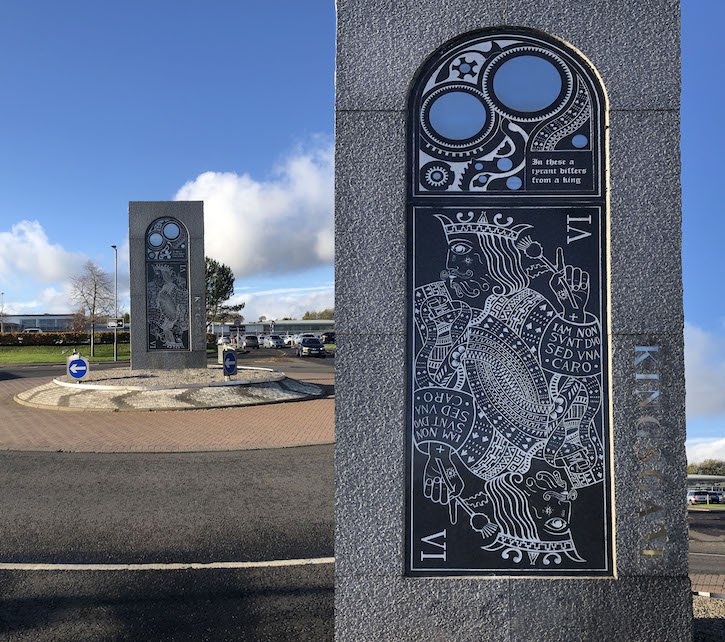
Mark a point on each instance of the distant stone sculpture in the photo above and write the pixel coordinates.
(166, 241)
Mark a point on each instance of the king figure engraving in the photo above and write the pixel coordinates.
(507, 389)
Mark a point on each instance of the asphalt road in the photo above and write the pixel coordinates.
(141, 508)
(707, 541)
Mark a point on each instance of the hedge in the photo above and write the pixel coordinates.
(73, 338)
(59, 338)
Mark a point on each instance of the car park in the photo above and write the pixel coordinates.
(273, 341)
(304, 335)
(250, 341)
(714, 498)
(289, 341)
(311, 347)
(327, 337)
(223, 341)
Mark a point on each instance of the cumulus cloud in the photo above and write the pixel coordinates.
(279, 225)
(704, 372)
(294, 302)
(25, 251)
(701, 449)
(50, 300)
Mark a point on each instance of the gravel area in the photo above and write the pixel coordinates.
(709, 624)
(171, 378)
(53, 396)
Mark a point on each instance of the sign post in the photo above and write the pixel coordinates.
(229, 363)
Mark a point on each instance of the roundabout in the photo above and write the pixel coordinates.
(263, 423)
(124, 390)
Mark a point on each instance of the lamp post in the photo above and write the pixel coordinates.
(115, 328)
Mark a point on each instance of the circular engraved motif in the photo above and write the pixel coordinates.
(579, 141)
(171, 231)
(527, 83)
(436, 176)
(156, 240)
(456, 120)
(457, 115)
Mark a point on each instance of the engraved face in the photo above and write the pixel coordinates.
(466, 269)
(550, 501)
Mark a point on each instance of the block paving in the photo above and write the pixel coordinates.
(252, 427)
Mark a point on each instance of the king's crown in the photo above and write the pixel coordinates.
(466, 223)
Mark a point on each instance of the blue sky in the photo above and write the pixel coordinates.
(232, 103)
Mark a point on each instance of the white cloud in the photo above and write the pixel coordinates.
(25, 251)
(704, 372)
(280, 225)
(50, 300)
(276, 304)
(701, 449)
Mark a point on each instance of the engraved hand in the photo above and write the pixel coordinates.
(571, 286)
(441, 479)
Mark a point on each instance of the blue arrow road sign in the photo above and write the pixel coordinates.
(230, 363)
(78, 368)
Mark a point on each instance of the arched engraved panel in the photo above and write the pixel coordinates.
(167, 285)
(534, 120)
(507, 417)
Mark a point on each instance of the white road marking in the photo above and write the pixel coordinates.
(709, 554)
(10, 566)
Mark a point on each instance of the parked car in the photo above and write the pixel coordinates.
(304, 335)
(223, 341)
(697, 496)
(273, 341)
(33, 331)
(714, 498)
(289, 341)
(311, 347)
(250, 341)
(327, 337)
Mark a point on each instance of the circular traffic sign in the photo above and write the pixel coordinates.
(78, 367)
(229, 362)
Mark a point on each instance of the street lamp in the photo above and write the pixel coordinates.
(115, 325)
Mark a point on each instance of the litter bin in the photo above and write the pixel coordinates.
(220, 352)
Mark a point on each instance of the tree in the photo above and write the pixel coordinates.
(126, 318)
(707, 467)
(78, 323)
(219, 289)
(327, 313)
(92, 292)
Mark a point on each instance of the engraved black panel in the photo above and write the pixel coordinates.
(507, 115)
(507, 416)
(167, 285)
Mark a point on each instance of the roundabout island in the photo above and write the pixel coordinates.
(124, 389)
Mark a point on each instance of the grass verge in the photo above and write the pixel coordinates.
(54, 354)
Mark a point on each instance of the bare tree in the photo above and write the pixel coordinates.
(92, 291)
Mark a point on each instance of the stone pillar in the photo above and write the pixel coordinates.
(168, 305)
(397, 221)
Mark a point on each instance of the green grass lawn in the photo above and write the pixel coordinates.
(54, 354)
